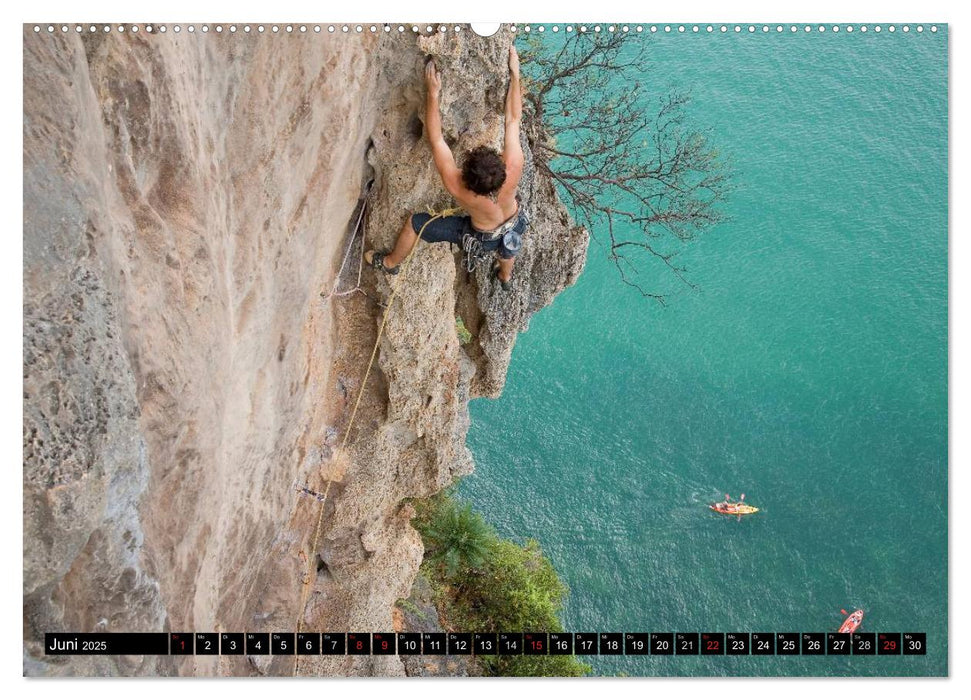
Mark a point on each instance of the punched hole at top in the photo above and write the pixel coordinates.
(486, 28)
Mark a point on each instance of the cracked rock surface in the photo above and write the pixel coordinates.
(188, 201)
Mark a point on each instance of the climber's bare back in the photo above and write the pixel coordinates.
(485, 213)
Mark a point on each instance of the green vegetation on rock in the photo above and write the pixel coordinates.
(483, 583)
(464, 334)
(457, 539)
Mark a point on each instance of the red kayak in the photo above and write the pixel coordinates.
(852, 622)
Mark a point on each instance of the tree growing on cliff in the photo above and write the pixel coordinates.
(458, 538)
(623, 156)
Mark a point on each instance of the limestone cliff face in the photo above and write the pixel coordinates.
(187, 199)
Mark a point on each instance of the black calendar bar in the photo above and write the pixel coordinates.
(861, 644)
(76, 644)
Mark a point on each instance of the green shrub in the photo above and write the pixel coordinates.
(516, 589)
(486, 584)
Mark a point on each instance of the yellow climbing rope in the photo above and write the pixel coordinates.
(311, 556)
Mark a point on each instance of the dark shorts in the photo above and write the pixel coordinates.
(452, 229)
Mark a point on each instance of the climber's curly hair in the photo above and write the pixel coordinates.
(484, 171)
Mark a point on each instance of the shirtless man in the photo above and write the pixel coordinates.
(485, 187)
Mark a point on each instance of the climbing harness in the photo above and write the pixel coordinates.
(322, 498)
(512, 239)
(472, 252)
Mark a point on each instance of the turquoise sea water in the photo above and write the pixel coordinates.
(809, 371)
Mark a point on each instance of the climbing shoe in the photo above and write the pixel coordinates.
(376, 260)
(505, 284)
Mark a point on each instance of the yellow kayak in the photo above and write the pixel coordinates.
(733, 508)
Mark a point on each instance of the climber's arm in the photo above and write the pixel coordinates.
(444, 160)
(512, 149)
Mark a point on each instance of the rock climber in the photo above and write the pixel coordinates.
(485, 187)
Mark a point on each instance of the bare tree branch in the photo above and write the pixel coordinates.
(624, 159)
